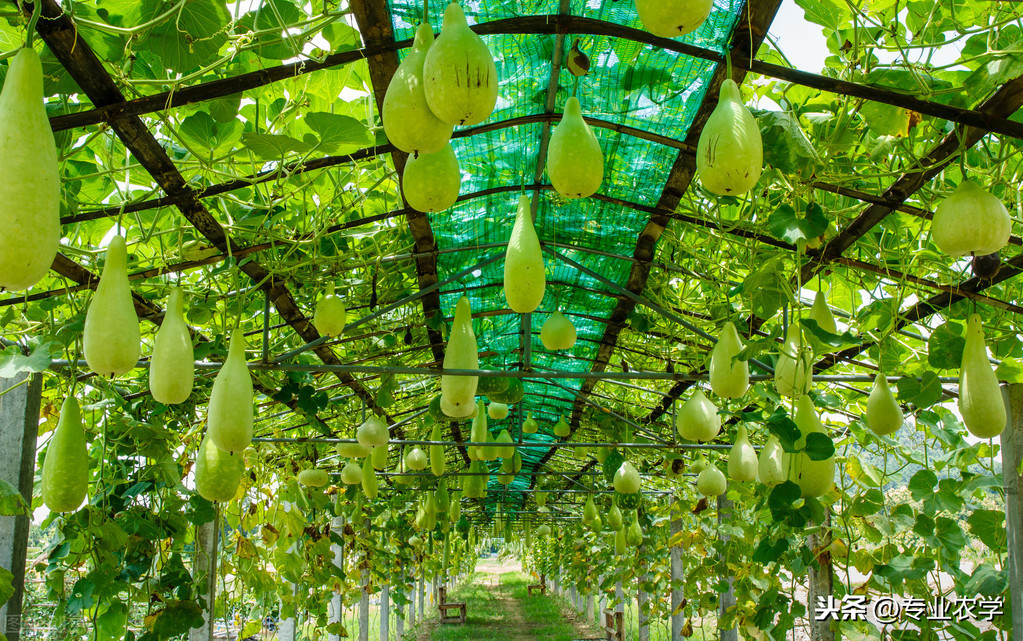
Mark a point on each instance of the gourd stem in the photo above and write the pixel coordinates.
(37, 11)
(426, 10)
(575, 86)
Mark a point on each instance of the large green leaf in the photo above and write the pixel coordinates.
(335, 131)
(945, 346)
(273, 146)
(786, 146)
(191, 37)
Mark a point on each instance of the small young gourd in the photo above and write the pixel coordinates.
(771, 463)
(821, 313)
(698, 420)
(409, 123)
(507, 449)
(459, 74)
(416, 460)
(575, 162)
(330, 315)
(229, 417)
(524, 277)
(218, 473)
(742, 460)
(626, 480)
(980, 398)
(672, 18)
(111, 339)
(730, 152)
(558, 333)
(728, 378)
(172, 368)
(970, 221)
(883, 416)
(351, 473)
(65, 474)
(793, 372)
(614, 518)
(634, 534)
(430, 182)
(458, 392)
(497, 411)
(561, 428)
(30, 191)
(530, 426)
(711, 482)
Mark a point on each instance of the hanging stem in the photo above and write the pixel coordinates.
(37, 11)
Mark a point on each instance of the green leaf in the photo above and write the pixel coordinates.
(819, 447)
(922, 484)
(989, 527)
(189, 39)
(945, 346)
(786, 225)
(6, 584)
(201, 131)
(905, 567)
(827, 13)
(272, 146)
(784, 428)
(199, 510)
(825, 338)
(949, 535)
(335, 131)
(786, 146)
(12, 503)
(768, 290)
(1010, 371)
(178, 617)
(867, 503)
(987, 581)
(768, 551)
(923, 393)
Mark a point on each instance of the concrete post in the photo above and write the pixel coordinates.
(19, 423)
(728, 598)
(204, 569)
(589, 605)
(422, 596)
(1012, 454)
(641, 605)
(364, 603)
(677, 572)
(399, 624)
(619, 598)
(335, 610)
(821, 580)
(385, 612)
(287, 629)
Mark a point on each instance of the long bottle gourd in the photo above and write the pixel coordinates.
(457, 392)
(814, 478)
(728, 378)
(459, 74)
(575, 163)
(409, 123)
(229, 417)
(65, 474)
(172, 368)
(980, 398)
(524, 277)
(793, 371)
(111, 339)
(217, 472)
(30, 191)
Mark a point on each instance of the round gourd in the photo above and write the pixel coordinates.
(111, 340)
(711, 482)
(492, 385)
(512, 393)
(730, 153)
(373, 432)
(543, 530)
(352, 450)
(30, 190)
(575, 162)
(416, 460)
(970, 221)
(884, 415)
(330, 316)
(524, 277)
(351, 473)
(672, 18)
(627, 479)
(458, 392)
(558, 333)
(459, 74)
(530, 426)
(497, 411)
(561, 428)
(742, 460)
(65, 473)
(728, 378)
(409, 123)
(313, 478)
(980, 398)
(218, 472)
(430, 182)
(229, 416)
(172, 367)
(698, 420)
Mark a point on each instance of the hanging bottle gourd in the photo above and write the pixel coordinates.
(672, 18)
(634, 534)
(217, 473)
(814, 478)
(730, 153)
(370, 486)
(821, 313)
(558, 333)
(530, 426)
(478, 433)
(627, 480)
(524, 278)
(330, 316)
(970, 221)
(458, 392)
(980, 398)
(229, 416)
(373, 432)
(409, 123)
(575, 162)
(497, 411)
(430, 182)
(711, 481)
(30, 191)
(742, 460)
(507, 449)
(65, 474)
(351, 473)
(172, 367)
(111, 339)
(459, 74)
(883, 416)
(416, 460)
(793, 373)
(698, 420)
(771, 464)
(729, 378)
(379, 457)
(312, 477)
(438, 465)
(561, 428)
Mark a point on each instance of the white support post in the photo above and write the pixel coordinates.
(399, 624)
(677, 572)
(287, 629)
(641, 605)
(619, 598)
(204, 570)
(385, 612)
(364, 603)
(1012, 454)
(19, 426)
(821, 580)
(603, 598)
(412, 605)
(727, 599)
(335, 609)
(589, 605)
(422, 596)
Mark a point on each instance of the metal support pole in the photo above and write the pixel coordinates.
(204, 570)
(335, 609)
(19, 421)
(385, 612)
(677, 572)
(727, 598)
(821, 580)
(1012, 454)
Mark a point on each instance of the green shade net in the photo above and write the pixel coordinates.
(629, 84)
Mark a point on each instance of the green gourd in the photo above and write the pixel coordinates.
(438, 465)
(970, 221)
(172, 368)
(512, 393)
(65, 474)
(218, 472)
(627, 480)
(597, 524)
(430, 182)
(742, 460)
(575, 162)
(672, 18)
(478, 433)
(543, 530)
(111, 339)
(492, 384)
(351, 473)
(711, 482)
(442, 497)
(728, 378)
(771, 463)
(621, 542)
(541, 498)
(814, 478)
(490, 451)
(821, 313)
(455, 507)
(458, 392)
(330, 315)
(980, 398)
(884, 415)
(614, 518)
(409, 123)
(698, 420)
(370, 486)
(730, 152)
(561, 428)
(416, 460)
(313, 478)
(793, 372)
(497, 411)
(373, 432)
(353, 450)
(459, 74)
(30, 191)
(530, 426)
(589, 510)
(508, 449)
(230, 411)
(524, 277)
(474, 485)
(634, 534)
(516, 462)
(558, 333)
(379, 457)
